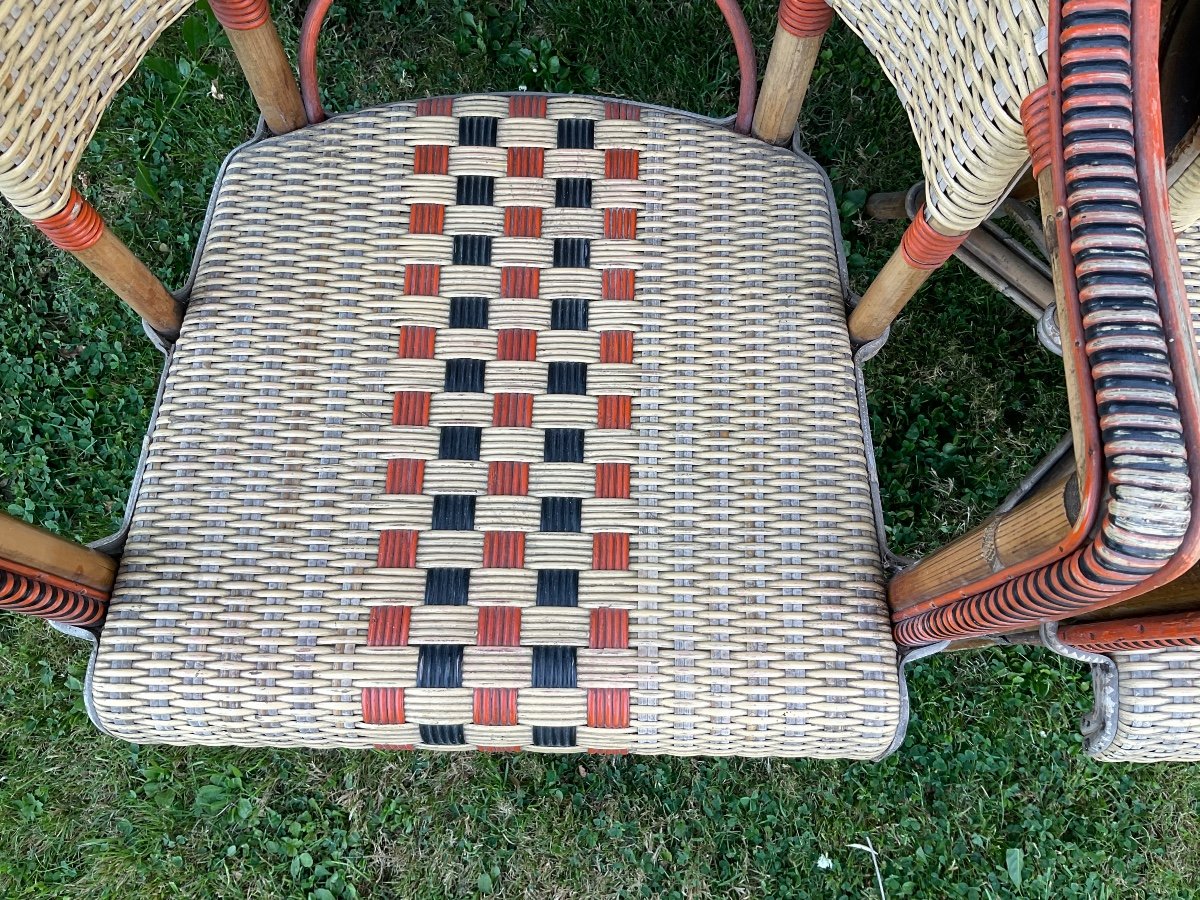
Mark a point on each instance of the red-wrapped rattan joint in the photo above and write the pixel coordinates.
(923, 247)
(76, 227)
(241, 15)
(33, 597)
(1035, 119)
(805, 18)
(1147, 633)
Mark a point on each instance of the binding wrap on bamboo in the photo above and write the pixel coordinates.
(46, 597)
(1035, 118)
(241, 15)
(805, 18)
(1129, 303)
(75, 228)
(925, 248)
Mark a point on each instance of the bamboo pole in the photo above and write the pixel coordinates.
(78, 229)
(888, 294)
(789, 70)
(1021, 277)
(256, 44)
(794, 53)
(114, 264)
(923, 249)
(267, 70)
(37, 550)
(887, 205)
(1005, 540)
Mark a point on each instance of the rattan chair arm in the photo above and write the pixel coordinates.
(44, 575)
(1180, 629)
(1127, 315)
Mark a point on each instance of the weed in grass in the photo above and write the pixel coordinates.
(963, 399)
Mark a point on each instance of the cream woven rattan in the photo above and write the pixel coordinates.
(1158, 707)
(66, 63)
(961, 68)
(1185, 198)
(509, 422)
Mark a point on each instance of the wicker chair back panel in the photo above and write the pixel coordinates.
(961, 69)
(61, 63)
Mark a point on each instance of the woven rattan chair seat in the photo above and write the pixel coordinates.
(509, 423)
(1158, 706)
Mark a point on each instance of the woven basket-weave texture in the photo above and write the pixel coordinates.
(1158, 707)
(1185, 198)
(61, 63)
(509, 423)
(961, 69)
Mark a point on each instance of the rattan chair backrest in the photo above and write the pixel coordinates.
(961, 69)
(61, 63)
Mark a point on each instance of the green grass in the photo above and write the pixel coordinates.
(990, 795)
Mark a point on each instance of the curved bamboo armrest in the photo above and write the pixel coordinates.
(44, 575)
(1096, 136)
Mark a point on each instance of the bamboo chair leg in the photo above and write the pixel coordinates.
(793, 55)
(256, 44)
(922, 251)
(79, 230)
(887, 206)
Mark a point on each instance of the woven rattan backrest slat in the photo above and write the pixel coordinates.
(61, 63)
(961, 69)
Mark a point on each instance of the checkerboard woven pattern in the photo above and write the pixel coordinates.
(515, 395)
(509, 422)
